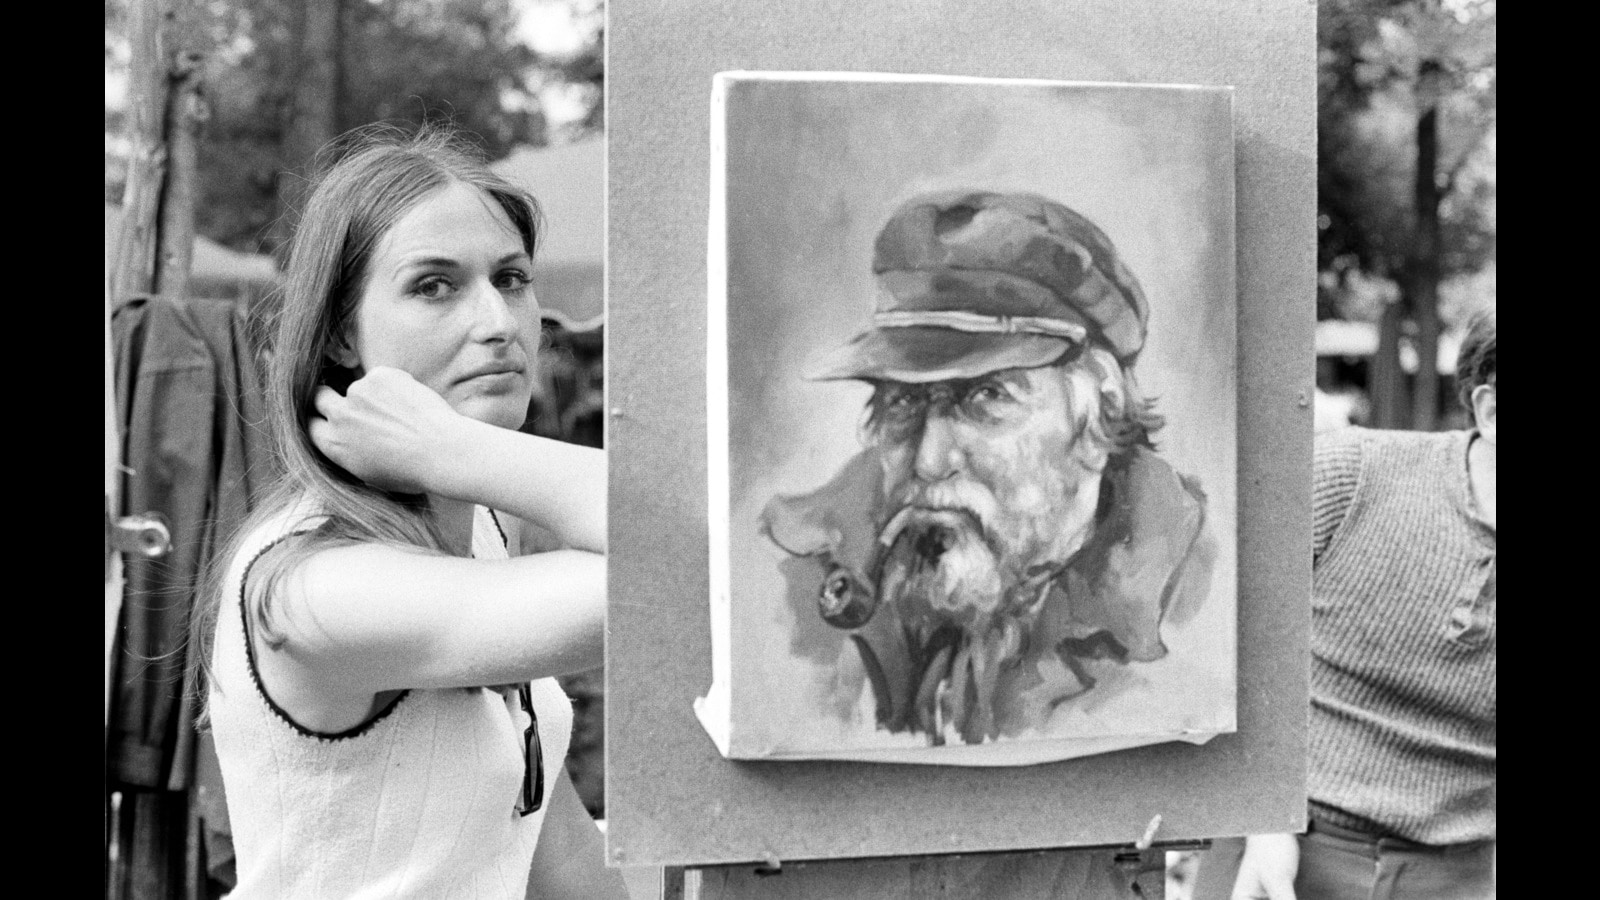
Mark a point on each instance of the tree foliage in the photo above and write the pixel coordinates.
(1382, 64)
(282, 78)
(1406, 178)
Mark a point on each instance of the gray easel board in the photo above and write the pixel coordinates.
(671, 798)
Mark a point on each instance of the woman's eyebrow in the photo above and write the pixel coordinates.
(427, 262)
(435, 261)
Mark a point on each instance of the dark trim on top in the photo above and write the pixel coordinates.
(255, 674)
(504, 541)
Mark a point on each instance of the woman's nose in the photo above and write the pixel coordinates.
(938, 457)
(494, 319)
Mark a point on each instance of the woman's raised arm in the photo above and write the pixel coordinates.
(361, 619)
(391, 431)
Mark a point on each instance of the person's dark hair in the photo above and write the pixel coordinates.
(1476, 365)
(365, 182)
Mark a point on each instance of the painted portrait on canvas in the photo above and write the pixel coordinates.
(980, 415)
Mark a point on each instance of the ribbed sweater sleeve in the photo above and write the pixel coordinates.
(1335, 469)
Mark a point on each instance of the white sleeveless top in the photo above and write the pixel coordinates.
(417, 802)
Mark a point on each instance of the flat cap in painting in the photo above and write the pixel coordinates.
(972, 282)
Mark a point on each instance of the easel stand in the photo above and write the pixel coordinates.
(1103, 873)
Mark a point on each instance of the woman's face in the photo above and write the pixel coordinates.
(448, 300)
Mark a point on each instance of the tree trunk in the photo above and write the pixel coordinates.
(133, 267)
(314, 108)
(1423, 267)
(1386, 380)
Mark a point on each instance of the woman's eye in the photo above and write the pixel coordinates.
(434, 287)
(512, 280)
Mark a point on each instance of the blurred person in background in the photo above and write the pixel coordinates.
(381, 673)
(1402, 727)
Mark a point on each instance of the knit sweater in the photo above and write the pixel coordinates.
(417, 802)
(1402, 737)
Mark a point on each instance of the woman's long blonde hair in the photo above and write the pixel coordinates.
(368, 179)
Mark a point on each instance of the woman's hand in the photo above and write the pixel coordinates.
(1268, 868)
(394, 433)
(388, 430)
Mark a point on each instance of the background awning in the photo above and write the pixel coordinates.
(569, 182)
(212, 265)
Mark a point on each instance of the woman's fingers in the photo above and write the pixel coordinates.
(321, 433)
(326, 400)
(388, 429)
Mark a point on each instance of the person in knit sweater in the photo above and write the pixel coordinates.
(381, 673)
(1402, 736)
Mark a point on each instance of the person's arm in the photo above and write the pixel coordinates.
(1268, 868)
(360, 619)
(391, 431)
(1335, 475)
(569, 861)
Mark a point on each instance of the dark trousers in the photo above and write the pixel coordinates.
(1339, 864)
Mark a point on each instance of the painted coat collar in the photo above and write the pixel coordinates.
(1104, 608)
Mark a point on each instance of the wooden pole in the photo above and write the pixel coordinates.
(186, 113)
(155, 245)
(133, 269)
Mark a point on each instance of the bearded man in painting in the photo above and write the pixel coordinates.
(1009, 532)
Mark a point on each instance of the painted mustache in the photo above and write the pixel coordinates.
(847, 601)
(937, 566)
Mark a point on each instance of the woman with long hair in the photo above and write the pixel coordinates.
(381, 671)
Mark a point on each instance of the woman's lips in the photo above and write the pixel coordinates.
(496, 374)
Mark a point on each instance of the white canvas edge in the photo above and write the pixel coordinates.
(892, 77)
(714, 710)
(999, 755)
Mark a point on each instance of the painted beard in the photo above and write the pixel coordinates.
(952, 554)
(961, 613)
(967, 568)
(938, 567)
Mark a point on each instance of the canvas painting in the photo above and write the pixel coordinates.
(973, 409)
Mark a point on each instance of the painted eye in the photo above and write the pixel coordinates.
(986, 393)
(843, 601)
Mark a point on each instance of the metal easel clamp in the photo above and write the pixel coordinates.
(1143, 867)
(1147, 841)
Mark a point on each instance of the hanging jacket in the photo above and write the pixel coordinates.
(190, 405)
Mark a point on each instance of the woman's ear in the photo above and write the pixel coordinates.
(1484, 412)
(340, 353)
